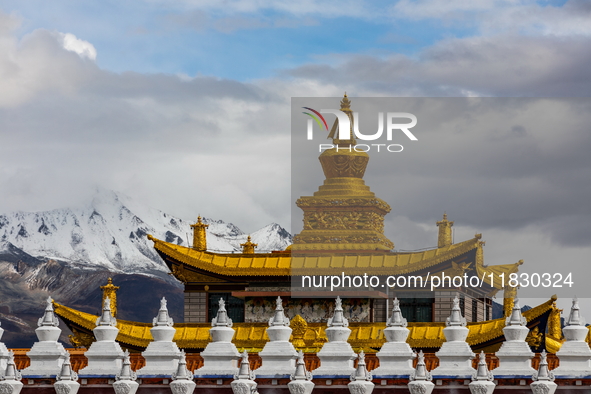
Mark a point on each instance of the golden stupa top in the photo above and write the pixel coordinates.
(308, 337)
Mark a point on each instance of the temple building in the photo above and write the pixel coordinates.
(343, 234)
(343, 231)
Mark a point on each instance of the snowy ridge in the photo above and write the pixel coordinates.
(110, 232)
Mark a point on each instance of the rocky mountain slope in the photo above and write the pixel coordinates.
(69, 253)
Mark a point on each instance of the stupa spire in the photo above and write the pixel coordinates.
(67, 373)
(279, 319)
(482, 372)
(49, 318)
(396, 320)
(301, 373)
(516, 318)
(420, 372)
(361, 373)
(106, 318)
(11, 372)
(163, 318)
(244, 371)
(221, 319)
(182, 373)
(338, 319)
(574, 318)
(456, 318)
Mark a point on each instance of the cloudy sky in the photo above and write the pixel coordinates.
(185, 106)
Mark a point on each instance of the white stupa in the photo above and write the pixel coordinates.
(574, 355)
(337, 355)
(278, 356)
(395, 356)
(47, 355)
(515, 354)
(455, 355)
(220, 357)
(105, 355)
(162, 354)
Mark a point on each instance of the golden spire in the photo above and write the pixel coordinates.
(199, 235)
(248, 247)
(110, 291)
(334, 131)
(444, 238)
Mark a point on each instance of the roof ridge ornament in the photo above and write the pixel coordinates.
(456, 319)
(221, 319)
(248, 247)
(199, 235)
(338, 319)
(163, 318)
(516, 318)
(49, 319)
(279, 319)
(396, 320)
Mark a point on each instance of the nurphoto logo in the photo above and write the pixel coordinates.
(393, 124)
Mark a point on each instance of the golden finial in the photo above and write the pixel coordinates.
(110, 291)
(444, 238)
(248, 246)
(199, 235)
(346, 104)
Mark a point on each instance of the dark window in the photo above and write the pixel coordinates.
(417, 309)
(234, 306)
(474, 310)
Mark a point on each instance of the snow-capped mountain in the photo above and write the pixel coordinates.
(110, 233)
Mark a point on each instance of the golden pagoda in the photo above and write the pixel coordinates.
(343, 231)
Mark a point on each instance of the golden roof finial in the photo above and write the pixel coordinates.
(248, 246)
(444, 238)
(110, 291)
(199, 235)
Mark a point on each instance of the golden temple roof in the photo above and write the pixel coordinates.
(278, 264)
(306, 336)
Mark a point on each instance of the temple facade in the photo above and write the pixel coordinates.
(343, 232)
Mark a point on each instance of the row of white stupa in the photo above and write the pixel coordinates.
(49, 359)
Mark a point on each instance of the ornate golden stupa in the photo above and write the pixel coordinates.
(344, 215)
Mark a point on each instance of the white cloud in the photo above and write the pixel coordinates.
(81, 47)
